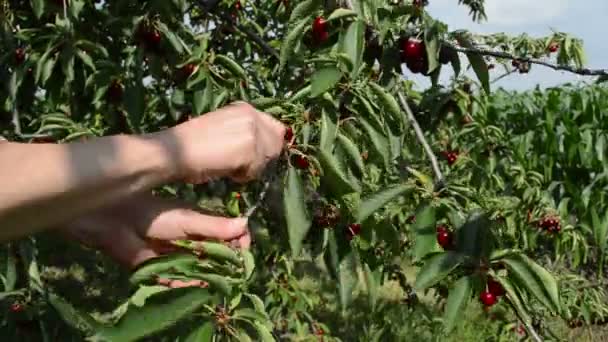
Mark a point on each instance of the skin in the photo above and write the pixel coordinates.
(98, 192)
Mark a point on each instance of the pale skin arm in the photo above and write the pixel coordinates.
(44, 185)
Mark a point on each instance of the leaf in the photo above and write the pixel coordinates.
(474, 237)
(347, 280)
(220, 252)
(477, 62)
(378, 200)
(135, 103)
(425, 232)
(86, 59)
(380, 143)
(389, 102)
(171, 37)
(144, 292)
(334, 177)
(38, 7)
(600, 229)
(72, 316)
(341, 13)
(303, 10)
(201, 334)
(198, 104)
(354, 154)
(329, 130)
(264, 333)
(291, 40)
(161, 264)
(353, 45)
(431, 43)
(457, 302)
(324, 79)
(11, 270)
(248, 263)
(437, 268)
(161, 312)
(231, 65)
(372, 284)
(296, 214)
(535, 279)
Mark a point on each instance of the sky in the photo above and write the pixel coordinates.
(584, 19)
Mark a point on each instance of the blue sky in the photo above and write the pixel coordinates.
(585, 19)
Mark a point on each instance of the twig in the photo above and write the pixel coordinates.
(420, 136)
(503, 76)
(210, 6)
(500, 54)
(535, 336)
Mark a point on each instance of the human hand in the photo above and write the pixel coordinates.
(236, 141)
(141, 228)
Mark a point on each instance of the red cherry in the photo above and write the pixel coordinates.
(515, 63)
(189, 69)
(495, 288)
(19, 56)
(301, 162)
(490, 66)
(444, 239)
(413, 49)
(553, 47)
(319, 25)
(16, 307)
(418, 3)
(487, 298)
(238, 6)
(237, 195)
(417, 66)
(115, 92)
(441, 228)
(153, 37)
(289, 134)
(411, 219)
(353, 230)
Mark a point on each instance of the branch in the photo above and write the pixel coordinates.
(500, 54)
(535, 336)
(503, 76)
(420, 136)
(209, 7)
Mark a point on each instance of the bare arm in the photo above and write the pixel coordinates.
(42, 185)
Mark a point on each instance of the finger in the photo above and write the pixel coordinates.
(243, 242)
(131, 249)
(199, 226)
(275, 130)
(176, 284)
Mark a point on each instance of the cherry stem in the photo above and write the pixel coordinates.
(535, 336)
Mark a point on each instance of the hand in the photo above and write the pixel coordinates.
(141, 227)
(236, 141)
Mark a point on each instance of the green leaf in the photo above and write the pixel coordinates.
(431, 43)
(296, 214)
(353, 45)
(378, 200)
(600, 229)
(86, 59)
(304, 10)
(201, 334)
(198, 100)
(354, 155)
(72, 316)
(219, 252)
(457, 302)
(341, 13)
(347, 280)
(231, 66)
(171, 37)
(389, 102)
(165, 263)
(248, 263)
(477, 62)
(38, 7)
(135, 103)
(324, 79)
(144, 292)
(380, 145)
(161, 312)
(425, 232)
(437, 268)
(264, 333)
(535, 279)
(474, 238)
(334, 177)
(329, 131)
(291, 40)
(11, 270)
(372, 284)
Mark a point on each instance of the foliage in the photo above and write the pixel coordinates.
(521, 204)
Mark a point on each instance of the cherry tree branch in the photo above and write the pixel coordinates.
(535, 336)
(422, 140)
(505, 55)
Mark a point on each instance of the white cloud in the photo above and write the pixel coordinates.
(521, 12)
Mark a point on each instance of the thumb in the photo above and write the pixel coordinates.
(200, 226)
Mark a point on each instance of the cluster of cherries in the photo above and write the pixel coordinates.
(450, 156)
(299, 161)
(550, 224)
(493, 291)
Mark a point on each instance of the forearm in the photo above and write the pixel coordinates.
(42, 185)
